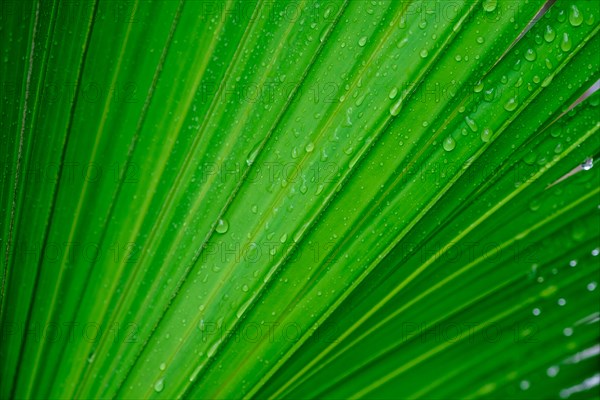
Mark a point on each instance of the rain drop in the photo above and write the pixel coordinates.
(587, 164)
(162, 366)
(590, 20)
(490, 5)
(547, 81)
(309, 147)
(519, 82)
(471, 124)
(222, 226)
(324, 33)
(558, 149)
(534, 205)
(489, 95)
(395, 108)
(530, 55)
(511, 104)
(159, 385)
(393, 93)
(568, 331)
(449, 144)
(561, 302)
(360, 100)
(516, 67)
(549, 34)
(566, 44)
(486, 134)
(530, 158)
(402, 43)
(252, 155)
(245, 288)
(424, 53)
(575, 17)
(362, 41)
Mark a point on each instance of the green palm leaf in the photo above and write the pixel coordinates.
(313, 199)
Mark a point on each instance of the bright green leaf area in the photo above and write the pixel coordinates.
(310, 199)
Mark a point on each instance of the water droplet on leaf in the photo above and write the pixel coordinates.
(471, 124)
(511, 104)
(552, 371)
(395, 108)
(565, 43)
(568, 331)
(549, 34)
(489, 95)
(222, 226)
(449, 144)
(530, 55)
(490, 5)
(575, 17)
(252, 155)
(486, 135)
